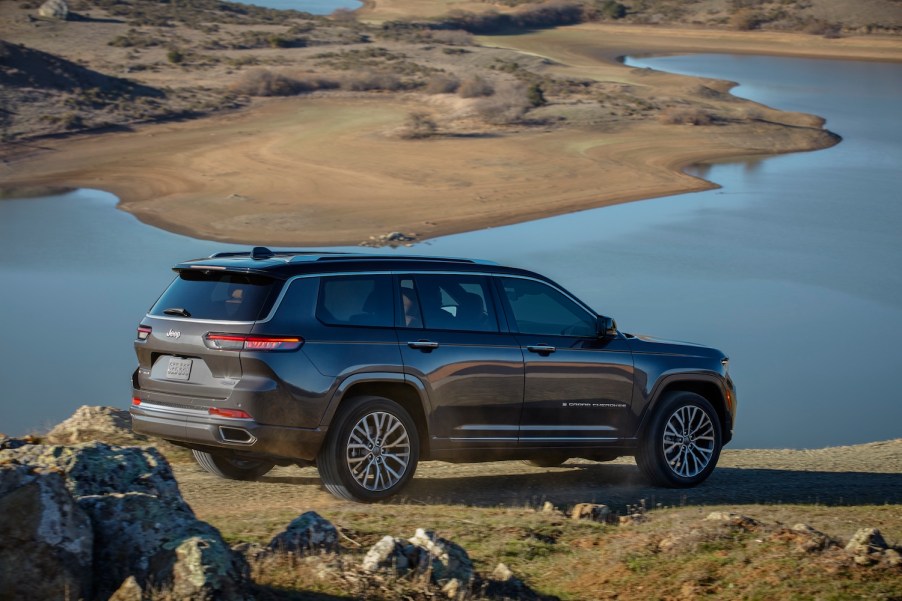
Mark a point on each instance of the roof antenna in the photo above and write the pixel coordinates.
(261, 252)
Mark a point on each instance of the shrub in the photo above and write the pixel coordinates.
(419, 125)
(474, 87)
(175, 56)
(368, 82)
(262, 82)
(535, 95)
(745, 20)
(508, 105)
(441, 83)
(685, 116)
(452, 37)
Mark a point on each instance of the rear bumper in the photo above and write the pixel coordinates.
(195, 427)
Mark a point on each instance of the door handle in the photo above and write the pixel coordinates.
(542, 349)
(423, 345)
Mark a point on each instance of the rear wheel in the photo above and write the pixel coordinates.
(232, 467)
(682, 443)
(371, 451)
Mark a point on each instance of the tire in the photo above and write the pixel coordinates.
(371, 451)
(545, 461)
(233, 467)
(682, 443)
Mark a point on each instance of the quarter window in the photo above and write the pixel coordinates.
(540, 309)
(355, 301)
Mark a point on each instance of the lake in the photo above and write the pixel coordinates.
(793, 268)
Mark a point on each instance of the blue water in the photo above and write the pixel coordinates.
(315, 7)
(793, 267)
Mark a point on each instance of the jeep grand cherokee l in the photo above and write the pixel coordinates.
(364, 365)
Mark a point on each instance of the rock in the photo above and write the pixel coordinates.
(549, 507)
(142, 528)
(810, 540)
(424, 553)
(735, 520)
(452, 588)
(54, 9)
(306, 534)
(590, 511)
(867, 546)
(446, 560)
(387, 553)
(129, 591)
(633, 518)
(502, 573)
(89, 424)
(47, 542)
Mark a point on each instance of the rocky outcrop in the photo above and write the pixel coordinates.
(116, 515)
(47, 541)
(91, 424)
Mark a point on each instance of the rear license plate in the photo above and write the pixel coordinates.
(178, 369)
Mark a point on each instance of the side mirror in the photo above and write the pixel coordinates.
(607, 327)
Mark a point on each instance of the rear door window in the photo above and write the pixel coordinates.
(448, 302)
(217, 295)
(356, 301)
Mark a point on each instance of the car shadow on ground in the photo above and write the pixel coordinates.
(621, 485)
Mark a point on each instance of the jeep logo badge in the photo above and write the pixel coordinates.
(173, 334)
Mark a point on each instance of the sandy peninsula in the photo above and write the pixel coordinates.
(333, 168)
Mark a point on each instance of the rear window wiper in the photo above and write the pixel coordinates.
(177, 311)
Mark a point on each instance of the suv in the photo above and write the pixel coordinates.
(364, 365)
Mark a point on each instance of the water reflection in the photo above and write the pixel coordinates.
(791, 267)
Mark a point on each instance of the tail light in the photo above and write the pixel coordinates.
(144, 332)
(231, 413)
(248, 342)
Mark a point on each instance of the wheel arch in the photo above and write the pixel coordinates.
(704, 385)
(391, 386)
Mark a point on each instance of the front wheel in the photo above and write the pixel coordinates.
(232, 467)
(371, 451)
(682, 443)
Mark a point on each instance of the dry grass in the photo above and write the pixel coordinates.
(672, 553)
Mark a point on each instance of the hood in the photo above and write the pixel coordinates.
(648, 344)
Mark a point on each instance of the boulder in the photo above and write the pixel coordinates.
(142, 528)
(47, 542)
(54, 9)
(867, 546)
(307, 534)
(103, 424)
(591, 511)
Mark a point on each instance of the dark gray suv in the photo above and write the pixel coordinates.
(366, 364)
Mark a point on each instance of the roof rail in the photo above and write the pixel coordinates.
(374, 257)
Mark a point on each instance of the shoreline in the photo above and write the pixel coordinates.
(191, 177)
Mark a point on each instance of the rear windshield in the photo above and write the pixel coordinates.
(218, 295)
